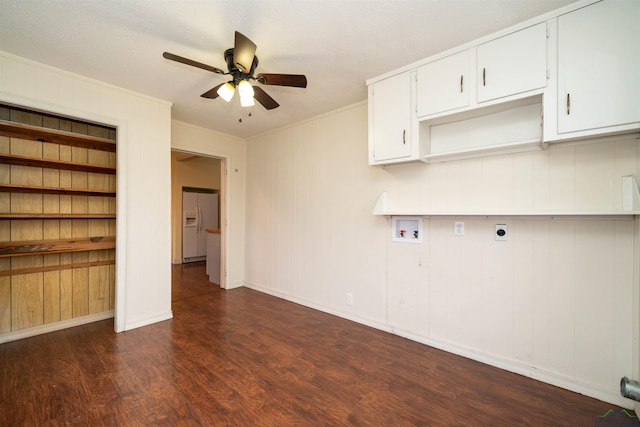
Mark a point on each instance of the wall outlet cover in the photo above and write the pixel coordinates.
(501, 232)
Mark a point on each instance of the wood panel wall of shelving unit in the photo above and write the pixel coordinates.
(57, 219)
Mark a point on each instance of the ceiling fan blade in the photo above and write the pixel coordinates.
(191, 62)
(243, 52)
(212, 93)
(294, 80)
(263, 98)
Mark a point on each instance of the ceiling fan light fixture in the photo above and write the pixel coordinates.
(245, 88)
(226, 91)
(247, 100)
(242, 62)
(246, 93)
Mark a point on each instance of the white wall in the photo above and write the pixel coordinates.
(194, 139)
(557, 301)
(143, 269)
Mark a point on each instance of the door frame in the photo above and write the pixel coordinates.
(222, 208)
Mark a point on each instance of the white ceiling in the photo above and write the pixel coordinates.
(337, 44)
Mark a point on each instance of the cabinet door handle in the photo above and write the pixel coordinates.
(461, 83)
(404, 136)
(484, 76)
(568, 103)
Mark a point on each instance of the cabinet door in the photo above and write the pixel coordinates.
(598, 66)
(391, 118)
(513, 64)
(444, 84)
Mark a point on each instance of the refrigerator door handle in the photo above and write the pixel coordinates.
(199, 213)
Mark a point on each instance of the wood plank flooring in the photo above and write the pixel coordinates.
(242, 358)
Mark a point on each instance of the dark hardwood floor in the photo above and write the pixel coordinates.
(242, 358)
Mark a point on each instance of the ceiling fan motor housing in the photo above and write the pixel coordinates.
(236, 73)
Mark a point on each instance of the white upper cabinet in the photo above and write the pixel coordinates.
(599, 68)
(391, 119)
(568, 75)
(513, 64)
(444, 85)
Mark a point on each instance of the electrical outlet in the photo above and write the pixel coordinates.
(501, 232)
(458, 228)
(349, 299)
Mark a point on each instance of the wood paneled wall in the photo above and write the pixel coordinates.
(42, 297)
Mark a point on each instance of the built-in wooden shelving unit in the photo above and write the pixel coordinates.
(66, 195)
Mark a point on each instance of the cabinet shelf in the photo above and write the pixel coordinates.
(13, 188)
(514, 214)
(53, 136)
(55, 267)
(56, 216)
(42, 247)
(12, 159)
(631, 208)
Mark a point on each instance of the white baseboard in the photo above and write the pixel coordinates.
(530, 371)
(56, 326)
(144, 322)
(234, 285)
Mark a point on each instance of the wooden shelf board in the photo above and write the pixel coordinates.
(40, 247)
(55, 216)
(13, 188)
(13, 159)
(55, 268)
(54, 136)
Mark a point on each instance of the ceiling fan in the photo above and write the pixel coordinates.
(241, 64)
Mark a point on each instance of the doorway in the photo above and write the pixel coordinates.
(195, 171)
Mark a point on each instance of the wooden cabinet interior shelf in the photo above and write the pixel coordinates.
(42, 247)
(56, 216)
(54, 136)
(56, 267)
(13, 188)
(12, 159)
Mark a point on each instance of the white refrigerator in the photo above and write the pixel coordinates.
(199, 212)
